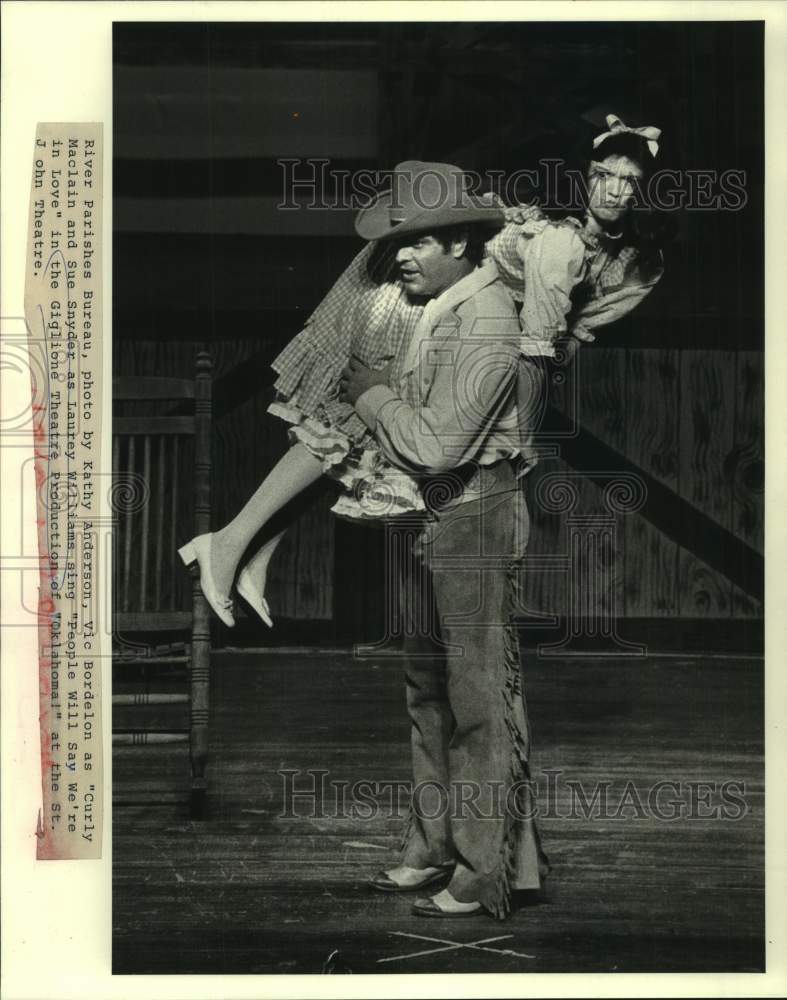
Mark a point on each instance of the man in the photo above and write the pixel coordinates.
(452, 421)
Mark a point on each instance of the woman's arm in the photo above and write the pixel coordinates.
(608, 308)
(553, 264)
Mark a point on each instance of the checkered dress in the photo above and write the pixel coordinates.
(373, 321)
(609, 266)
(372, 318)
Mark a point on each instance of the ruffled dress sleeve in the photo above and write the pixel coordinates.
(541, 262)
(617, 292)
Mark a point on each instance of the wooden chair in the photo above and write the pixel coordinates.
(161, 464)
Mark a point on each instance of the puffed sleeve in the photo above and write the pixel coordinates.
(553, 262)
(609, 308)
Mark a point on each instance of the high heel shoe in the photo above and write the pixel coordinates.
(252, 595)
(198, 550)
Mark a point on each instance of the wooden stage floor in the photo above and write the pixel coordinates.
(251, 890)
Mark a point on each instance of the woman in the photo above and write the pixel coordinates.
(571, 275)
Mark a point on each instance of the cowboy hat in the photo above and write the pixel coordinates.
(423, 197)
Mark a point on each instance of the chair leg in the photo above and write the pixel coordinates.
(200, 689)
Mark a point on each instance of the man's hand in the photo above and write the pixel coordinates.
(357, 378)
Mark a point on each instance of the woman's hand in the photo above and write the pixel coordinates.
(492, 199)
(566, 349)
(356, 378)
(521, 213)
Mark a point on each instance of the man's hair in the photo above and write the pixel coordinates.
(476, 236)
(381, 265)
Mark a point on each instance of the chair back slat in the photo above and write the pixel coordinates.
(129, 525)
(145, 387)
(144, 548)
(202, 443)
(159, 548)
(146, 621)
(173, 516)
(139, 426)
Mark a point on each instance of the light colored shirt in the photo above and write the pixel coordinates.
(454, 401)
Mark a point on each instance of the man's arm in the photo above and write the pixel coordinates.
(474, 378)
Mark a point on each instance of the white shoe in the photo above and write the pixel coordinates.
(251, 594)
(444, 905)
(198, 550)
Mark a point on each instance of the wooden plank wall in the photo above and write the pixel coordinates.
(747, 467)
(691, 419)
(652, 442)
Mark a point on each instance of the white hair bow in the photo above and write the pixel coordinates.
(617, 127)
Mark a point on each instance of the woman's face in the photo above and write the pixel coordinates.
(611, 186)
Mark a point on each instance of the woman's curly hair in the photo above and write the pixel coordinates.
(646, 226)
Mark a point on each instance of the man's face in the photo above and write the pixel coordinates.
(426, 267)
(611, 186)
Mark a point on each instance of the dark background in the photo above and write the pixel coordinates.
(673, 393)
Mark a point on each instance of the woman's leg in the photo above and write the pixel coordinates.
(291, 475)
(257, 566)
(253, 577)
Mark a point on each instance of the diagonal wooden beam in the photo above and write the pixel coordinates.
(677, 518)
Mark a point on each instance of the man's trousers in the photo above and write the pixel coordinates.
(472, 798)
